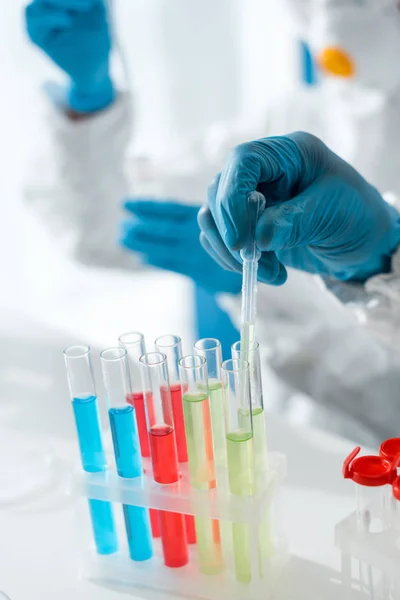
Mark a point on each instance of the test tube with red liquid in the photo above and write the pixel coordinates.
(160, 423)
(134, 344)
(171, 346)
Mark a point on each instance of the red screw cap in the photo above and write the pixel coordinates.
(371, 471)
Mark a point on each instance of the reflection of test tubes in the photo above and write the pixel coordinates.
(210, 348)
(257, 404)
(134, 344)
(87, 420)
(372, 475)
(114, 364)
(240, 451)
(163, 452)
(171, 346)
(196, 406)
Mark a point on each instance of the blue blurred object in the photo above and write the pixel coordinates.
(75, 34)
(212, 321)
(166, 234)
(321, 217)
(308, 71)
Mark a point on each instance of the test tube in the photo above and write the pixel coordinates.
(372, 474)
(240, 451)
(210, 348)
(265, 537)
(257, 404)
(390, 449)
(134, 344)
(88, 427)
(396, 499)
(160, 423)
(196, 407)
(171, 346)
(114, 363)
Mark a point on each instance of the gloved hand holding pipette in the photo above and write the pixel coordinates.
(75, 34)
(321, 215)
(166, 235)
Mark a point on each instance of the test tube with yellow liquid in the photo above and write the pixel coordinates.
(197, 414)
(240, 453)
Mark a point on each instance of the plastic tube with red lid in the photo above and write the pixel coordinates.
(373, 476)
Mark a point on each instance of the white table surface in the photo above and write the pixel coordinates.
(37, 539)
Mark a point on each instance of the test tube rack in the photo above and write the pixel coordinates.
(369, 560)
(118, 571)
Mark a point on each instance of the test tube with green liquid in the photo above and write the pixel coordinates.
(265, 541)
(210, 348)
(257, 404)
(196, 407)
(240, 453)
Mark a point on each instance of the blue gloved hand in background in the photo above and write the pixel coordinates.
(75, 34)
(321, 215)
(166, 234)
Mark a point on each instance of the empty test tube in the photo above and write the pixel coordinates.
(160, 423)
(240, 451)
(134, 344)
(114, 363)
(196, 406)
(171, 346)
(210, 348)
(93, 458)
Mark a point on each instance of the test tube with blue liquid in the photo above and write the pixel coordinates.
(114, 363)
(88, 427)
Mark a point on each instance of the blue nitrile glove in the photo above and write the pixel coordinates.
(75, 34)
(166, 234)
(321, 215)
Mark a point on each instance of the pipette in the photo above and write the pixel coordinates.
(250, 256)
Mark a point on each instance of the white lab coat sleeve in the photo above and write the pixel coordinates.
(314, 344)
(82, 205)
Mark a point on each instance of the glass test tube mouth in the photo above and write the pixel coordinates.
(76, 351)
(192, 361)
(113, 354)
(167, 341)
(235, 365)
(253, 347)
(153, 359)
(132, 337)
(207, 344)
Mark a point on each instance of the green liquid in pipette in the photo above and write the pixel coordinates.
(218, 422)
(259, 435)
